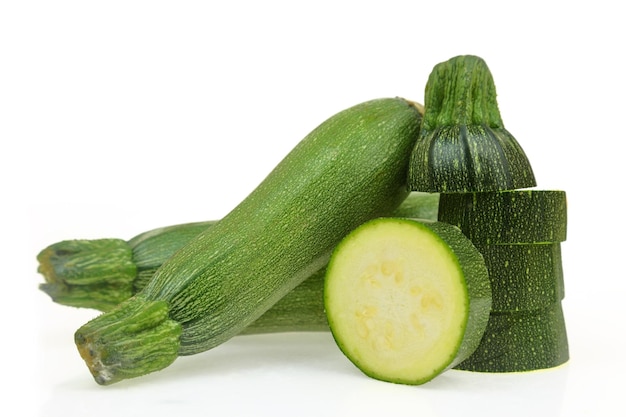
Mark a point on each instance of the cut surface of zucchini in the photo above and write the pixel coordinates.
(406, 299)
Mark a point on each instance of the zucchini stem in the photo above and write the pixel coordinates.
(132, 340)
(463, 145)
(461, 91)
(96, 273)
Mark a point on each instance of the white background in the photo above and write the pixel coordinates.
(120, 116)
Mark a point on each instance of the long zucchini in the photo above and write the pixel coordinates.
(101, 273)
(348, 170)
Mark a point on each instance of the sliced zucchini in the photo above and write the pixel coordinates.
(406, 299)
(521, 341)
(524, 277)
(507, 217)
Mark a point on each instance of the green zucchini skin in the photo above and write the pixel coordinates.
(93, 273)
(507, 217)
(118, 269)
(152, 248)
(478, 287)
(463, 145)
(521, 341)
(348, 170)
(524, 277)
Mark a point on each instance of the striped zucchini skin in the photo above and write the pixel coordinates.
(463, 145)
(472, 158)
(524, 277)
(507, 217)
(348, 170)
(521, 341)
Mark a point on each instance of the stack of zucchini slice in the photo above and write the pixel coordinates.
(519, 234)
(486, 187)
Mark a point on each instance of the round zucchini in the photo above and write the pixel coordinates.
(405, 299)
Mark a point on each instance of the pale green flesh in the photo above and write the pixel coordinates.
(396, 301)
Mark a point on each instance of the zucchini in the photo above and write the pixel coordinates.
(101, 273)
(406, 300)
(106, 281)
(524, 277)
(94, 273)
(507, 217)
(348, 170)
(521, 341)
(463, 145)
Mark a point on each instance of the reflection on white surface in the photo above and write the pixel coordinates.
(293, 374)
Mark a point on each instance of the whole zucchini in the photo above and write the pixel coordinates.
(348, 170)
(101, 273)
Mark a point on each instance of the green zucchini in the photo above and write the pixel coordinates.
(93, 273)
(101, 273)
(524, 277)
(406, 300)
(348, 170)
(507, 217)
(521, 341)
(463, 145)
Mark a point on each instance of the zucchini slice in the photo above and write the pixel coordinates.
(524, 277)
(406, 299)
(521, 341)
(507, 217)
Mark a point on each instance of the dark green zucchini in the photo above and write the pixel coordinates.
(463, 145)
(507, 217)
(350, 169)
(524, 277)
(521, 341)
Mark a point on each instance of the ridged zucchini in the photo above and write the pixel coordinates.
(406, 300)
(524, 277)
(349, 169)
(521, 341)
(507, 217)
(463, 145)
